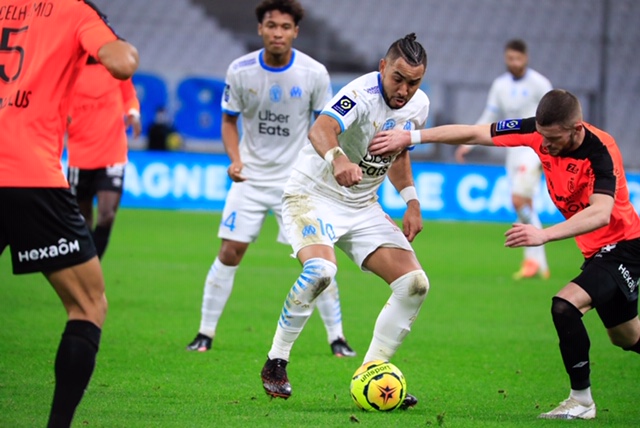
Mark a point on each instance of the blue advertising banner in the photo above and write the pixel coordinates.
(194, 181)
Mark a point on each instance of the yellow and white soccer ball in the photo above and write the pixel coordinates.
(378, 386)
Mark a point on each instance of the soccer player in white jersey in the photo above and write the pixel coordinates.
(516, 94)
(275, 89)
(331, 200)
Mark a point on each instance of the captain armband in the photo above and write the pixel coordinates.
(409, 193)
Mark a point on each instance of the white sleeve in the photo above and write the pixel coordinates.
(344, 108)
(491, 111)
(424, 115)
(545, 86)
(232, 96)
(322, 91)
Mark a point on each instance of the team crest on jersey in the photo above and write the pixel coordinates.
(508, 125)
(388, 124)
(344, 105)
(275, 93)
(296, 92)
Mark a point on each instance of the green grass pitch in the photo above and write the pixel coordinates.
(483, 352)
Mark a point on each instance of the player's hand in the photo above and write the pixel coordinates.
(133, 120)
(234, 172)
(412, 220)
(524, 235)
(461, 152)
(346, 172)
(389, 142)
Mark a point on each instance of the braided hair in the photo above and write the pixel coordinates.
(408, 49)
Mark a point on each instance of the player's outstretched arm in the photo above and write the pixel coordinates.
(401, 176)
(593, 217)
(395, 140)
(120, 58)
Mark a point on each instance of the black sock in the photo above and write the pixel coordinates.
(574, 342)
(74, 365)
(635, 348)
(101, 239)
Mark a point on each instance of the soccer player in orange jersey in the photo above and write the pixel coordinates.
(43, 47)
(101, 109)
(586, 180)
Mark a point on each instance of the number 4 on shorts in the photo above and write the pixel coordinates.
(230, 221)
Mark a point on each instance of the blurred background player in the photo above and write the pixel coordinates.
(515, 94)
(101, 110)
(276, 90)
(39, 218)
(162, 135)
(586, 180)
(333, 202)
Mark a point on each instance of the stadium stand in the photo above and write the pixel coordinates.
(586, 46)
(174, 36)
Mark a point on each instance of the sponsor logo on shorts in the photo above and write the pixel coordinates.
(62, 248)
(344, 105)
(309, 230)
(508, 125)
(606, 249)
(626, 275)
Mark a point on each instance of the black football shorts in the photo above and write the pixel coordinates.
(85, 183)
(44, 229)
(610, 277)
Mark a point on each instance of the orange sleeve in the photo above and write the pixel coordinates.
(129, 96)
(93, 30)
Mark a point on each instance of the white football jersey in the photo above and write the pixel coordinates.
(361, 111)
(511, 98)
(276, 105)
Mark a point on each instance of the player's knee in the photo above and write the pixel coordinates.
(412, 286)
(231, 254)
(563, 311)
(319, 274)
(625, 339)
(106, 217)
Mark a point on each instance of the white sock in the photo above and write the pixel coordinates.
(397, 315)
(316, 276)
(582, 396)
(217, 289)
(328, 304)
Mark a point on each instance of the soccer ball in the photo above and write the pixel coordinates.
(378, 386)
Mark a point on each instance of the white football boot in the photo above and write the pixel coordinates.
(571, 409)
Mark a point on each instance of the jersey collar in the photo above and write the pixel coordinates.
(276, 69)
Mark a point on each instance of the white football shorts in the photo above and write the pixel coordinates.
(245, 210)
(524, 171)
(312, 219)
